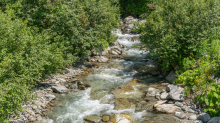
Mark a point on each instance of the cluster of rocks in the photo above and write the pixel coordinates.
(171, 101)
(100, 56)
(45, 94)
(116, 118)
(129, 24)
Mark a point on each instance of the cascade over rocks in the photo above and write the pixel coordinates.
(119, 118)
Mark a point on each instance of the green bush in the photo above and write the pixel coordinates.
(134, 7)
(75, 26)
(40, 37)
(177, 29)
(200, 75)
(25, 56)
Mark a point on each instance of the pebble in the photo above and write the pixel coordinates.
(179, 104)
(180, 115)
(192, 117)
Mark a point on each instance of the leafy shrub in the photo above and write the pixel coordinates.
(75, 26)
(40, 37)
(134, 7)
(200, 76)
(177, 28)
(25, 56)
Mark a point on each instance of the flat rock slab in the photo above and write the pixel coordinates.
(167, 108)
(93, 118)
(123, 104)
(59, 89)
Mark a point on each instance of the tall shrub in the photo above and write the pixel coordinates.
(25, 56)
(177, 28)
(134, 7)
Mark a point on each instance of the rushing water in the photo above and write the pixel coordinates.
(97, 100)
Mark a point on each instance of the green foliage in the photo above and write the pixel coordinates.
(199, 76)
(76, 26)
(134, 7)
(40, 37)
(25, 56)
(177, 28)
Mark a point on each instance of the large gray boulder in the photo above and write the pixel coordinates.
(171, 77)
(59, 89)
(214, 120)
(175, 92)
(164, 96)
(129, 24)
(204, 117)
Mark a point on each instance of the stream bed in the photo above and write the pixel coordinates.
(116, 87)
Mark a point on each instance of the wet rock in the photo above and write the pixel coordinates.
(119, 118)
(92, 118)
(123, 104)
(114, 53)
(74, 86)
(197, 121)
(180, 115)
(166, 108)
(157, 96)
(127, 92)
(164, 96)
(119, 52)
(187, 109)
(80, 83)
(38, 117)
(82, 87)
(86, 84)
(204, 117)
(171, 87)
(171, 102)
(152, 92)
(178, 104)
(130, 19)
(159, 103)
(171, 77)
(193, 117)
(135, 38)
(164, 84)
(214, 120)
(127, 88)
(105, 118)
(61, 80)
(59, 89)
(50, 97)
(105, 52)
(176, 93)
(103, 59)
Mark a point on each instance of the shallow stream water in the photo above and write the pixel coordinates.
(104, 79)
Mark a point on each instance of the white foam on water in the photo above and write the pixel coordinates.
(81, 108)
(102, 78)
